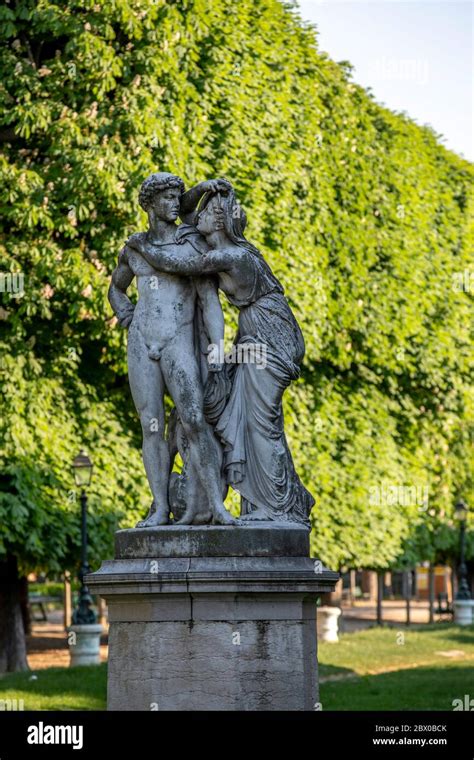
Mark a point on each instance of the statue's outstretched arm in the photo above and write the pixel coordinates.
(194, 264)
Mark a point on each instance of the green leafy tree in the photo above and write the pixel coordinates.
(363, 215)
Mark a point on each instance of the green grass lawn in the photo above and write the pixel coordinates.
(419, 668)
(83, 688)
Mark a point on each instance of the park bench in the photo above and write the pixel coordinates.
(444, 609)
(40, 600)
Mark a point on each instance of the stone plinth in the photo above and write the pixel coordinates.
(464, 611)
(84, 644)
(212, 618)
(328, 623)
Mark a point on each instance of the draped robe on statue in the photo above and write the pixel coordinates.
(249, 422)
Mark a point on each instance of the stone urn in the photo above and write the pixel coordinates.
(328, 623)
(463, 611)
(84, 644)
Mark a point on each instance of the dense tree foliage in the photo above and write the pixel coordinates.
(363, 215)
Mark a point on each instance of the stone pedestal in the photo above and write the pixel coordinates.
(328, 623)
(212, 618)
(84, 644)
(464, 611)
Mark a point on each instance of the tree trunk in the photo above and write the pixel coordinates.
(431, 593)
(352, 586)
(67, 600)
(12, 631)
(380, 577)
(369, 584)
(25, 606)
(408, 593)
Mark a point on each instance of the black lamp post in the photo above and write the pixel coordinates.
(82, 469)
(460, 512)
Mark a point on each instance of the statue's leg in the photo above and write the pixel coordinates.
(183, 380)
(147, 386)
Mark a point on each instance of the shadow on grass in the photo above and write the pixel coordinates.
(422, 688)
(329, 672)
(460, 635)
(449, 631)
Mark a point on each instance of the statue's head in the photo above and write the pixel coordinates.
(221, 211)
(160, 194)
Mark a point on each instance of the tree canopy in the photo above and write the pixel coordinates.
(363, 215)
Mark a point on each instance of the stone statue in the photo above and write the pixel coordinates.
(176, 590)
(162, 350)
(241, 401)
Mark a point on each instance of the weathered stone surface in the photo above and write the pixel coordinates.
(265, 539)
(84, 644)
(195, 664)
(212, 632)
(211, 575)
(328, 623)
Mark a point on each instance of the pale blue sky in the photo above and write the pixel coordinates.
(416, 55)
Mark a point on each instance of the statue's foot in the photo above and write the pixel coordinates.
(156, 516)
(202, 518)
(222, 517)
(257, 514)
(153, 521)
(188, 517)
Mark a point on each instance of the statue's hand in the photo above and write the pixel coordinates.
(136, 240)
(217, 186)
(125, 316)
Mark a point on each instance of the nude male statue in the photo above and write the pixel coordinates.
(161, 345)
